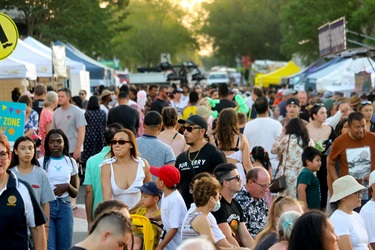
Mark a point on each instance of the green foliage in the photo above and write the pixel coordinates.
(244, 28)
(155, 28)
(301, 20)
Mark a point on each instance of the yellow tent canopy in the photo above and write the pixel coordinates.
(275, 76)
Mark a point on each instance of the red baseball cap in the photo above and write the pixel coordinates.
(168, 174)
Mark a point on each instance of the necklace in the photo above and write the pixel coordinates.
(195, 155)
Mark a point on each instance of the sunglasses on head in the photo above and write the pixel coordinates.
(319, 104)
(121, 142)
(189, 129)
(366, 103)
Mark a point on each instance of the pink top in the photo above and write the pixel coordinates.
(45, 117)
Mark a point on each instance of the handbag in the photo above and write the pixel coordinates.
(279, 184)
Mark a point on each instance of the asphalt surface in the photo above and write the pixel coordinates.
(80, 222)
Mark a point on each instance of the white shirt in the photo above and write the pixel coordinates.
(173, 211)
(351, 225)
(263, 131)
(218, 234)
(60, 170)
(368, 215)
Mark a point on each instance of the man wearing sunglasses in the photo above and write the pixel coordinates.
(251, 199)
(162, 100)
(230, 216)
(202, 156)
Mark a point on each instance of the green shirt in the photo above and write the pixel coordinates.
(92, 175)
(307, 177)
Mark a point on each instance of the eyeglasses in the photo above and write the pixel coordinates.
(121, 142)
(189, 129)
(237, 177)
(81, 93)
(358, 194)
(4, 155)
(264, 186)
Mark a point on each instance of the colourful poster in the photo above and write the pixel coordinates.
(12, 119)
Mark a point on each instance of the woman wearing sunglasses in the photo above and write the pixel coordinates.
(348, 224)
(124, 171)
(367, 109)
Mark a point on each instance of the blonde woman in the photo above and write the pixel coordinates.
(45, 121)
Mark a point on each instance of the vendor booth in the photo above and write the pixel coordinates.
(275, 76)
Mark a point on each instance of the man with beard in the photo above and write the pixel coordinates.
(163, 99)
(202, 156)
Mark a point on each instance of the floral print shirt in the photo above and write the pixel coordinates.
(255, 211)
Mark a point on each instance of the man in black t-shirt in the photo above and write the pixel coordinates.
(127, 116)
(202, 156)
(230, 217)
(224, 101)
(162, 100)
(39, 95)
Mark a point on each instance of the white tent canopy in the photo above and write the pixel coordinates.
(43, 62)
(11, 68)
(75, 67)
(342, 78)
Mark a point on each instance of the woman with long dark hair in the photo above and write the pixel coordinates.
(323, 136)
(124, 171)
(170, 134)
(94, 137)
(63, 175)
(290, 145)
(26, 167)
(312, 231)
(234, 145)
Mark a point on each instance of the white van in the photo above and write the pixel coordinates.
(217, 78)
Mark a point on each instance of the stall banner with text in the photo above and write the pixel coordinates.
(12, 119)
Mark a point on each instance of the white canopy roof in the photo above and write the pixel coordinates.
(75, 67)
(11, 68)
(43, 62)
(343, 77)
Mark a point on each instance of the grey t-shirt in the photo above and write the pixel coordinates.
(69, 121)
(156, 152)
(39, 181)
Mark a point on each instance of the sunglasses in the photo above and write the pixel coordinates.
(264, 186)
(237, 177)
(121, 142)
(167, 93)
(189, 129)
(366, 103)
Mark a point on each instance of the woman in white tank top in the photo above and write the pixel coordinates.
(124, 171)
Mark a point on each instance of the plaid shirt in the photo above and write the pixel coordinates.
(255, 211)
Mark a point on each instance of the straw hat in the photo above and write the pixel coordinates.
(354, 100)
(345, 186)
(203, 111)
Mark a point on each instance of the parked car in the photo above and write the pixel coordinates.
(217, 78)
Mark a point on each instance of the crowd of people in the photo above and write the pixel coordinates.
(197, 167)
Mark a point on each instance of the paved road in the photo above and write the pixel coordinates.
(80, 223)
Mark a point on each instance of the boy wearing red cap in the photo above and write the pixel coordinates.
(172, 208)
